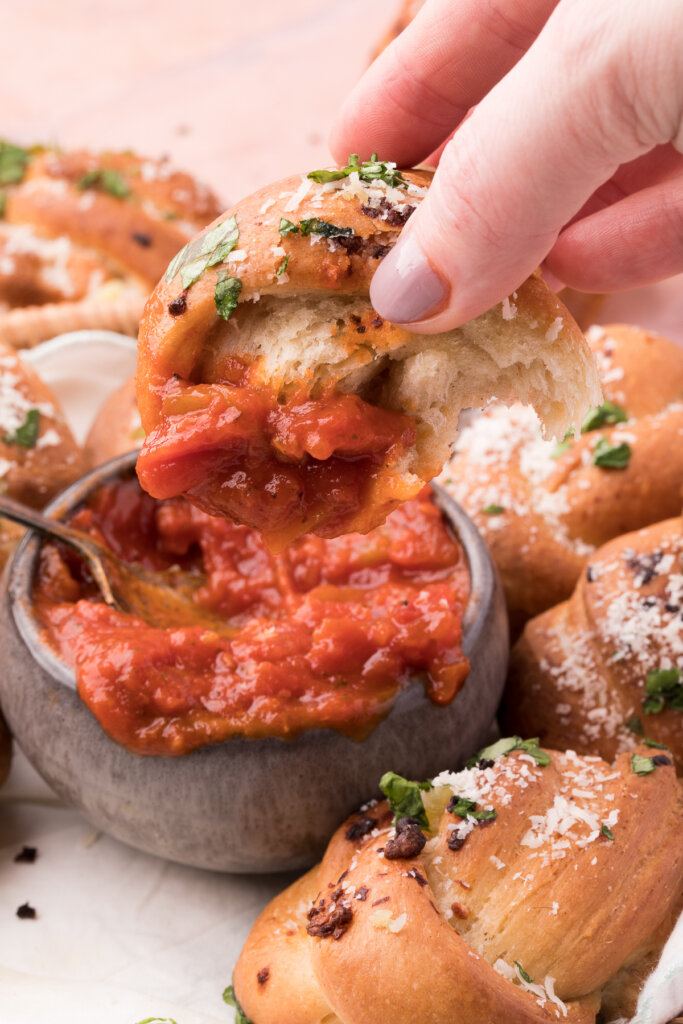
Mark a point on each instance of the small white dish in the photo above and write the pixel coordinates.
(83, 368)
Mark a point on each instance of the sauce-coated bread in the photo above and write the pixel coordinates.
(306, 411)
(542, 889)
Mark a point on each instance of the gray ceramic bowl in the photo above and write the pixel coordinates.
(241, 805)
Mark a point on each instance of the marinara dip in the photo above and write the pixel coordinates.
(287, 465)
(322, 635)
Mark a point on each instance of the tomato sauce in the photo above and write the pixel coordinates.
(284, 467)
(323, 635)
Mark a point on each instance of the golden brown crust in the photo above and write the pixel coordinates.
(578, 673)
(171, 343)
(370, 939)
(37, 469)
(64, 235)
(556, 509)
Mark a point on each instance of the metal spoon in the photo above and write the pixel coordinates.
(161, 599)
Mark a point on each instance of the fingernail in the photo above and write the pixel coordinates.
(406, 288)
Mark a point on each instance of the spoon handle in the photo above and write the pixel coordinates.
(86, 547)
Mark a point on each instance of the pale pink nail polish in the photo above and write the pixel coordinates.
(406, 288)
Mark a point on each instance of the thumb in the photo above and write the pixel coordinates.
(529, 156)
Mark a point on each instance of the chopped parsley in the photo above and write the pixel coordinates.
(602, 415)
(606, 831)
(3, 202)
(157, 1020)
(13, 163)
(492, 510)
(653, 743)
(505, 746)
(283, 266)
(642, 765)
(205, 251)
(370, 171)
(465, 808)
(230, 998)
(27, 434)
(404, 797)
(313, 226)
(664, 688)
(104, 180)
(522, 973)
(611, 456)
(646, 765)
(635, 725)
(226, 295)
(316, 226)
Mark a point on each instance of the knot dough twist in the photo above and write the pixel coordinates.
(75, 221)
(543, 509)
(434, 935)
(306, 412)
(579, 673)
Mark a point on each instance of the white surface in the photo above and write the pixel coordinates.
(120, 935)
(111, 916)
(26, 998)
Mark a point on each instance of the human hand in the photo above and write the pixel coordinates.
(570, 153)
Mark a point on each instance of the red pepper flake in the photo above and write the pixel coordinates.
(361, 893)
(408, 842)
(384, 899)
(455, 840)
(360, 828)
(418, 876)
(177, 306)
(263, 975)
(460, 910)
(333, 919)
(27, 855)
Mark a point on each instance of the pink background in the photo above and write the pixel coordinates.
(241, 92)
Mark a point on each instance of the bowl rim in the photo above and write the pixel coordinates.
(20, 573)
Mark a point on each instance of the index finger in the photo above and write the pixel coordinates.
(443, 63)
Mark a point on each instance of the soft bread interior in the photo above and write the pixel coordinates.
(430, 377)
